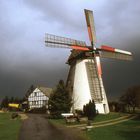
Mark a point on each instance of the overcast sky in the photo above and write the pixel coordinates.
(24, 59)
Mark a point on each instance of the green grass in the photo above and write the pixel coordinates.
(110, 116)
(9, 129)
(98, 118)
(129, 130)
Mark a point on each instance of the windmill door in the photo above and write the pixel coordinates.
(104, 106)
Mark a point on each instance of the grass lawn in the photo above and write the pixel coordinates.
(9, 129)
(110, 116)
(129, 130)
(98, 118)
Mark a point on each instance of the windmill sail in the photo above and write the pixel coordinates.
(95, 71)
(63, 42)
(115, 55)
(90, 26)
(109, 52)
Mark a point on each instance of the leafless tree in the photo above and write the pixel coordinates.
(131, 98)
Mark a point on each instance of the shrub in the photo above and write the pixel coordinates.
(90, 110)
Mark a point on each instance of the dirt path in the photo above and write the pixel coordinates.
(36, 127)
(114, 122)
(23, 116)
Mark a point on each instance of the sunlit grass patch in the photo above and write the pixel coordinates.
(128, 130)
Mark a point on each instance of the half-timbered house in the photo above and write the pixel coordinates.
(39, 97)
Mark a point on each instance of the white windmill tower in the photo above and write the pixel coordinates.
(85, 75)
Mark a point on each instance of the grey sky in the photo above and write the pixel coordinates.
(24, 59)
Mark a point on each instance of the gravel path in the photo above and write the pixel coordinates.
(37, 127)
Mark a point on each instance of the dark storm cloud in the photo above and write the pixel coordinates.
(62, 12)
(117, 25)
(67, 16)
(119, 75)
(24, 60)
(123, 23)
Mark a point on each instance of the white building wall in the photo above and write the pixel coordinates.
(104, 104)
(81, 90)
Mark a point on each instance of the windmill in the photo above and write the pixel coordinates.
(85, 75)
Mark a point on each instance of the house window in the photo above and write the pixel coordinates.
(33, 103)
(35, 93)
(44, 102)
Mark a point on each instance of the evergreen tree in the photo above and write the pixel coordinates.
(90, 110)
(60, 100)
(29, 91)
(5, 102)
(11, 100)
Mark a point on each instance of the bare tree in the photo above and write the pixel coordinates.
(131, 98)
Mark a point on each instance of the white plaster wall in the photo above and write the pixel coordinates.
(81, 91)
(100, 108)
(105, 101)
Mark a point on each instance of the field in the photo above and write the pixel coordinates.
(98, 118)
(9, 129)
(129, 130)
